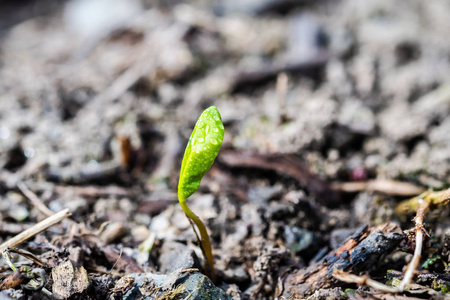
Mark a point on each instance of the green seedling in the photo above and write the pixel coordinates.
(201, 151)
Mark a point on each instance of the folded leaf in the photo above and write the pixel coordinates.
(201, 151)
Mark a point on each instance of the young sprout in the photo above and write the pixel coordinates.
(201, 151)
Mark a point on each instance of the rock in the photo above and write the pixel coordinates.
(357, 117)
(177, 285)
(235, 274)
(233, 291)
(200, 287)
(400, 123)
(168, 93)
(14, 205)
(77, 205)
(280, 211)
(114, 232)
(177, 256)
(301, 241)
(263, 194)
(12, 294)
(128, 287)
(68, 280)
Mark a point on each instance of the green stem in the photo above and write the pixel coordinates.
(204, 239)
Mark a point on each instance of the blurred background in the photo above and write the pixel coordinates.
(343, 84)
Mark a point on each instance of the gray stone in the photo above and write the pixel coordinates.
(264, 193)
(236, 274)
(12, 294)
(177, 256)
(177, 285)
(300, 240)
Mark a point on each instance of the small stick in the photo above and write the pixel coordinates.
(29, 256)
(412, 267)
(34, 199)
(36, 229)
(363, 280)
(384, 186)
(281, 88)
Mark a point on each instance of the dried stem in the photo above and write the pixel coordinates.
(412, 267)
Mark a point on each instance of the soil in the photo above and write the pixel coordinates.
(335, 112)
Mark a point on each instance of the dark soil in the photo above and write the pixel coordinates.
(334, 112)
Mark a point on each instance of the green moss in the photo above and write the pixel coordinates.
(431, 261)
(348, 292)
(393, 279)
(440, 285)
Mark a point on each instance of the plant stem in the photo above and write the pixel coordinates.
(204, 239)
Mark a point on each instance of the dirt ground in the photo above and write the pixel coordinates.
(335, 113)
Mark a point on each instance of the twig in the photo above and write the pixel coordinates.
(436, 199)
(34, 199)
(91, 190)
(412, 267)
(36, 229)
(363, 280)
(29, 256)
(281, 88)
(384, 186)
(117, 260)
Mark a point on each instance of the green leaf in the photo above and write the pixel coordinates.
(201, 151)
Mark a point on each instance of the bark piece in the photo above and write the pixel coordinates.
(13, 281)
(359, 253)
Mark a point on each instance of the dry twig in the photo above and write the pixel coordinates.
(363, 280)
(34, 199)
(384, 186)
(412, 267)
(38, 228)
